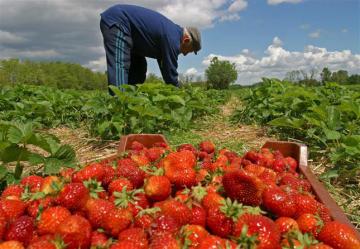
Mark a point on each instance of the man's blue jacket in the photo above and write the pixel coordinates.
(153, 35)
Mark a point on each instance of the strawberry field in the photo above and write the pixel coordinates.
(188, 193)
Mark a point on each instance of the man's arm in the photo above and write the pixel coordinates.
(168, 64)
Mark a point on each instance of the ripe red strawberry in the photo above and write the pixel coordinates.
(3, 223)
(323, 212)
(12, 208)
(109, 175)
(278, 202)
(207, 146)
(34, 182)
(97, 210)
(13, 244)
(252, 156)
(117, 220)
(218, 223)
(119, 184)
(286, 224)
(198, 215)
(243, 187)
(76, 232)
(135, 235)
(339, 236)
(42, 244)
(279, 165)
(194, 235)
(155, 153)
(320, 246)
(305, 204)
(266, 232)
(295, 183)
(179, 168)
(188, 147)
(34, 207)
(51, 218)
(161, 144)
(176, 209)
(157, 188)
(164, 241)
(73, 196)
(140, 160)
(137, 146)
(12, 192)
(98, 240)
(211, 199)
(128, 168)
(21, 229)
(291, 164)
(310, 223)
(212, 242)
(93, 171)
(144, 219)
(125, 245)
(164, 224)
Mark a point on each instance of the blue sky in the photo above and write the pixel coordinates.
(264, 38)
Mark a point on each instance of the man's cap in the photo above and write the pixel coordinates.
(195, 37)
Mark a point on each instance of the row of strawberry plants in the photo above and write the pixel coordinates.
(144, 108)
(327, 118)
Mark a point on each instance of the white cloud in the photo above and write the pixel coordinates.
(191, 71)
(344, 30)
(316, 34)
(237, 5)
(305, 26)
(231, 17)
(98, 65)
(277, 61)
(274, 2)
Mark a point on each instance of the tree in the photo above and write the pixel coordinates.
(325, 75)
(220, 74)
(293, 76)
(153, 78)
(340, 76)
(354, 79)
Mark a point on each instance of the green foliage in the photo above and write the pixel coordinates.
(220, 74)
(326, 118)
(150, 107)
(20, 143)
(56, 74)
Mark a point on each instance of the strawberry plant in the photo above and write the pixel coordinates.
(15, 142)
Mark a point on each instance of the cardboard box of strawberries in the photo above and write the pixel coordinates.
(196, 197)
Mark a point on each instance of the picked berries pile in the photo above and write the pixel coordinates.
(194, 198)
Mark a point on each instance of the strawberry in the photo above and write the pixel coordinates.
(42, 244)
(164, 224)
(109, 175)
(140, 160)
(286, 224)
(320, 246)
(144, 219)
(310, 223)
(21, 229)
(339, 236)
(34, 182)
(12, 244)
(67, 174)
(125, 245)
(128, 168)
(291, 164)
(295, 183)
(211, 242)
(34, 207)
(98, 240)
(179, 168)
(211, 199)
(198, 215)
(73, 196)
(305, 204)
(155, 153)
(194, 235)
(51, 218)
(323, 212)
(3, 223)
(176, 209)
(188, 147)
(118, 185)
(12, 192)
(117, 220)
(97, 210)
(135, 235)
(93, 171)
(12, 208)
(76, 232)
(162, 241)
(243, 187)
(265, 230)
(279, 165)
(137, 146)
(207, 146)
(161, 144)
(278, 202)
(252, 156)
(157, 188)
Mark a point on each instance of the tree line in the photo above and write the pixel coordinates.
(55, 74)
